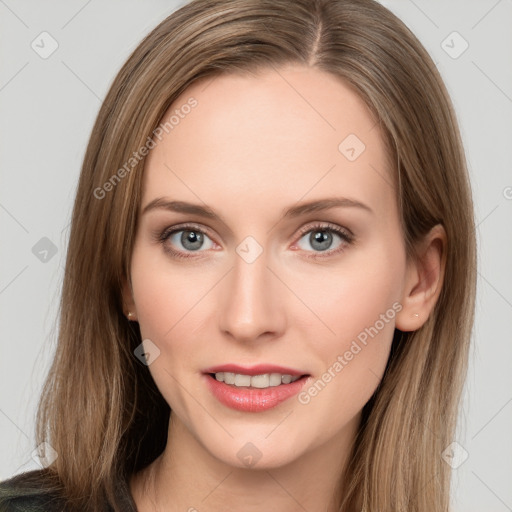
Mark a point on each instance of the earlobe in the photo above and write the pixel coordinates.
(128, 302)
(423, 281)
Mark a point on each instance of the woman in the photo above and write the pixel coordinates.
(272, 238)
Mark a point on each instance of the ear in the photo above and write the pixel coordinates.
(424, 280)
(128, 302)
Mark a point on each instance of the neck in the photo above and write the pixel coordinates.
(186, 477)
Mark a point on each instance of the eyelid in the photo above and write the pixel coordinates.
(302, 231)
(162, 235)
(326, 225)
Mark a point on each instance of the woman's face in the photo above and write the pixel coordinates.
(263, 279)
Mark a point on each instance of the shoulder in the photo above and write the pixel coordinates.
(27, 493)
(41, 491)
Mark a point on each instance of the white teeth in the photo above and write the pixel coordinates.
(275, 379)
(242, 380)
(229, 378)
(260, 381)
(255, 381)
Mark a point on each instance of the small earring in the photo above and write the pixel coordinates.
(129, 315)
(416, 314)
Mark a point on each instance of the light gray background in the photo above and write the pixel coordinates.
(47, 110)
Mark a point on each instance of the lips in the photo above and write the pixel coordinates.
(246, 399)
(259, 369)
(251, 399)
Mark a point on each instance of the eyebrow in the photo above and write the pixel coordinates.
(162, 203)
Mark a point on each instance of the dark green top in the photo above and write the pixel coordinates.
(16, 496)
(24, 493)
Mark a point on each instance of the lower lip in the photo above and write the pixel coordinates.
(253, 399)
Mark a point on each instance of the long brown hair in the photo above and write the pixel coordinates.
(100, 409)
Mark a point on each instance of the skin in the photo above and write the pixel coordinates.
(252, 147)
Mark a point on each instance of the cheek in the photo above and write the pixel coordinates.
(171, 301)
(349, 298)
(169, 310)
(357, 304)
(360, 309)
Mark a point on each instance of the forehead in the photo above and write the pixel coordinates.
(283, 133)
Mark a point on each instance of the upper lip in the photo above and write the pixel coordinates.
(258, 369)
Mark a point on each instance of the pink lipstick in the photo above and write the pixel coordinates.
(264, 394)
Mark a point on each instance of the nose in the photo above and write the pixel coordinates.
(252, 304)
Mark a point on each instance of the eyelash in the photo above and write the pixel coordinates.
(346, 236)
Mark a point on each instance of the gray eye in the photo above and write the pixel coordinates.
(190, 239)
(319, 239)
